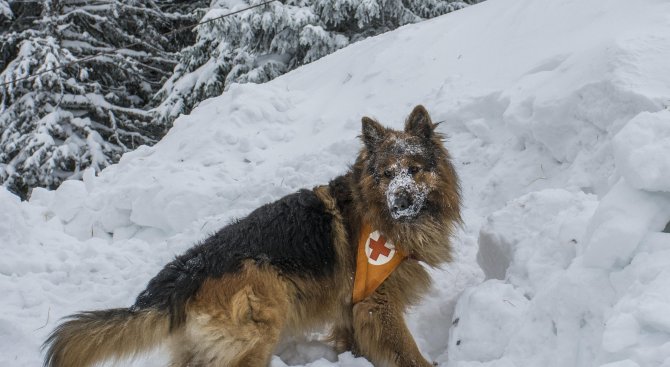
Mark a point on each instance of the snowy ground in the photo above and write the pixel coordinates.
(557, 117)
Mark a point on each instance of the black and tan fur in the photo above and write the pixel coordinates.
(289, 267)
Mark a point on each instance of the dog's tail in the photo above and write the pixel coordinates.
(90, 337)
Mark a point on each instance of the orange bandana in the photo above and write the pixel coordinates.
(377, 259)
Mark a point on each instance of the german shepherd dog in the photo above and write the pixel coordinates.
(289, 267)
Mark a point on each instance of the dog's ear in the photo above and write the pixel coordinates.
(373, 133)
(418, 123)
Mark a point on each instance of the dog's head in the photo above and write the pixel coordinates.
(406, 176)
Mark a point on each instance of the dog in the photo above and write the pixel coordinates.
(298, 264)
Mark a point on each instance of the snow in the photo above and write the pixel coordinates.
(403, 183)
(616, 228)
(645, 136)
(534, 237)
(557, 121)
(488, 329)
(5, 10)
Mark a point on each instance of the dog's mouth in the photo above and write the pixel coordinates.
(405, 198)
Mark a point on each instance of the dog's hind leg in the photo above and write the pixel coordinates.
(257, 356)
(342, 339)
(236, 320)
(181, 351)
(261, 317)
(182, 360)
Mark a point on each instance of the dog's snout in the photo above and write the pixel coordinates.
(402, 201)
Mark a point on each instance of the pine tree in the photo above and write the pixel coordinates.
(260, 44)
(86, 114)
(74, 116)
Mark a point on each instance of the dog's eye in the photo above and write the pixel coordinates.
(414, 170)
(388, 173)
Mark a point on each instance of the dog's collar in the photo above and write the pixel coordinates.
(376, 259)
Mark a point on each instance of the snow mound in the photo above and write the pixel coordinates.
(556, 116)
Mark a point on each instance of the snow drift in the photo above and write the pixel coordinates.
(557, 117)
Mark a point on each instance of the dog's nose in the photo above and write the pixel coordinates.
(402, 201)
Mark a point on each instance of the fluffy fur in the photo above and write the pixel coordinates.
(289, 266)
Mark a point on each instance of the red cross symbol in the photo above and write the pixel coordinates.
(378, 247)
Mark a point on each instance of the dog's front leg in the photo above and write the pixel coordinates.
(381, 335)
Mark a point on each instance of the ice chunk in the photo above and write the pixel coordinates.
(534, 236)
(485, 319)
(622, 219)
(641, 151)
(13, 227)
(69, 199)
(624, 363)
(621, 331)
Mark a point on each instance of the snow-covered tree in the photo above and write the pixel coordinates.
(134, 80)
(263, 43)
(85, 114)
(6, 19)
(5, 13)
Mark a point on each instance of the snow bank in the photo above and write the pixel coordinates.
(556, 118)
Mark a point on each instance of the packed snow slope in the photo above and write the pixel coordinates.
(557, 117)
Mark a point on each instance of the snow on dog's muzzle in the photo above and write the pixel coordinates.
(404, 197)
